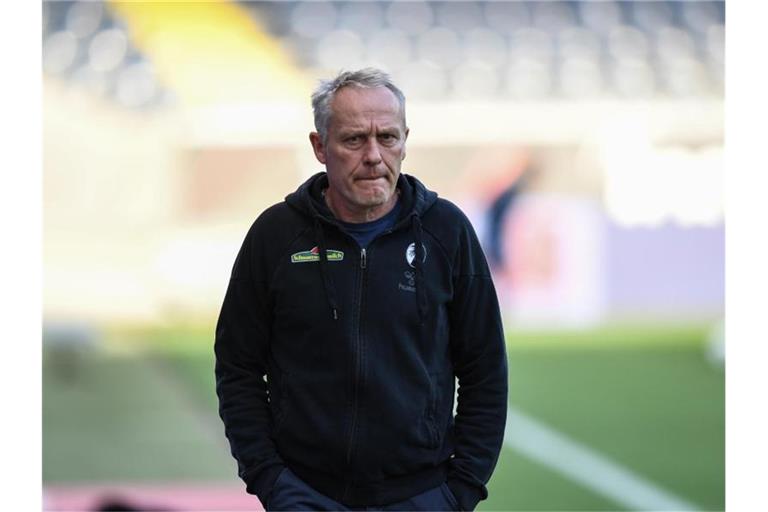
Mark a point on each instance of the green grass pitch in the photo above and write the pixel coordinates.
(646, 397)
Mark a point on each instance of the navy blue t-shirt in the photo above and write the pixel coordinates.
(364, 232)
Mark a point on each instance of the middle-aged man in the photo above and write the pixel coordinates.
(352, 307)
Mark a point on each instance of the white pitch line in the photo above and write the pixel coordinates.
(583, 465)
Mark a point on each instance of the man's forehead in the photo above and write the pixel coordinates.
(353, 101)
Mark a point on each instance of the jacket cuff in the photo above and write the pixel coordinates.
(467, 495)
(262, 481)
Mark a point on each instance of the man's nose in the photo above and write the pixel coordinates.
(372, 155)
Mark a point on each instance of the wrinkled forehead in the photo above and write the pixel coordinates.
(353, 104)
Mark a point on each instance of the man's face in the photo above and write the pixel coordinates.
(363, 151)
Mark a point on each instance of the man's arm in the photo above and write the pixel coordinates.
(242, 347)
(480, 363)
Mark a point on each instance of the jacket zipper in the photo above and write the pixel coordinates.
(358, 359)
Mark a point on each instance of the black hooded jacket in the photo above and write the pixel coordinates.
(360, 349)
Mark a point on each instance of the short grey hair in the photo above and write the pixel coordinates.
(365, 78)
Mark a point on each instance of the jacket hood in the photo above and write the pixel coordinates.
(416, 198)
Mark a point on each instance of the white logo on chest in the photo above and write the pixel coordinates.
(410, 253)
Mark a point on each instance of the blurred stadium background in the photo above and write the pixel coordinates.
(583, 139)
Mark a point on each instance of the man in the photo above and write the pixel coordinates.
(351, 308)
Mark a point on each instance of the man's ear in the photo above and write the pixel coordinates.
(317, 146)
(405, 139)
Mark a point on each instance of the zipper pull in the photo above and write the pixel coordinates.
(362, 259)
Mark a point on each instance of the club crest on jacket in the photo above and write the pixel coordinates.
(410, 253)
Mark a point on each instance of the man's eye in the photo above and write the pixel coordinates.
(354, 139)
(387, 137)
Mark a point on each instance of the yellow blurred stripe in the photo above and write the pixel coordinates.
(211, 52)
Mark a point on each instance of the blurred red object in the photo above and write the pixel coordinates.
(186, 497)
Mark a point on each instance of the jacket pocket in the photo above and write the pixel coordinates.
(280, 408)
(431, 413)
(440, 411)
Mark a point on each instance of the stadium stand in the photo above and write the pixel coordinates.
(499, 50)
(85, 44)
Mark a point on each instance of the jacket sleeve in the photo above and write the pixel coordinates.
(241, 349)
(480, 362)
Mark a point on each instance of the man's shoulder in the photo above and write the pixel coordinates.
(447, 224)
(444, 208)
(278, 216)
(273, 232)
(446, 217)
(277, 222)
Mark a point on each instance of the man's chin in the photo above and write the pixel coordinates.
(374, 198)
